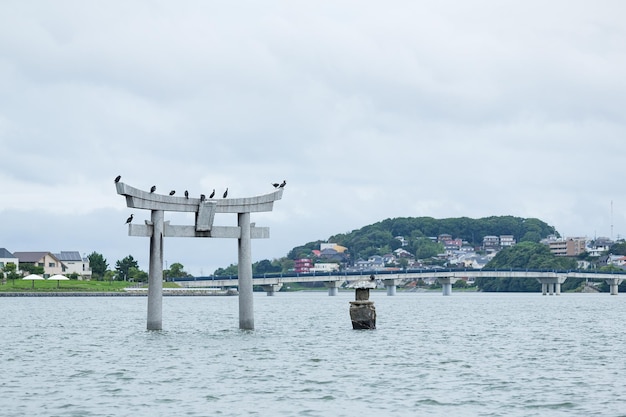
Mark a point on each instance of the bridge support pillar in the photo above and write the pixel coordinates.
(614, 285)
(155, 273)
(390, 285)
(246, 300)
(552, 285)
(271, 289)
(333, 287)
(446, 284)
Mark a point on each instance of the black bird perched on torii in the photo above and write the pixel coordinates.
(130, 219)
(212, 194)
(153, 189)
(225, 193)
(118, 178)
(281, 185)
(172, 192)
(186, 194)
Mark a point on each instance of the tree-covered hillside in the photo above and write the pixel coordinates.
(379, 238)
(526, 255)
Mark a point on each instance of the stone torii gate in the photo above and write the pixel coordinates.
(156, 229)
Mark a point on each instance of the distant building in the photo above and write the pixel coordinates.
(452, 245)
(444, 237)
(389, 258)
(50, 263)
(491, 243)
(402, 240)
(302, 265)
(506, 240)
(599, 246)
(334, 246)
(467, 248)
(7, 257)
(373, 262)
(402, 253)
(620, 261)
(324, 267)
(72, 263)
(571, 246)
(376, 262)
(604, 241)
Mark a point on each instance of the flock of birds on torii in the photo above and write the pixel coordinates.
(202, 196)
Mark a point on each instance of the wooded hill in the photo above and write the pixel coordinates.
(380, 238)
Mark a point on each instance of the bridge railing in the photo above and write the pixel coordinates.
(380, 272)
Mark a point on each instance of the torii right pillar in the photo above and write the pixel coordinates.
(246, 296)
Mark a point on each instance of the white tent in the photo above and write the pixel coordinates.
(33, 277)
(58, 278)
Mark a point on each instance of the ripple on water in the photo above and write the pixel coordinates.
(475, 354)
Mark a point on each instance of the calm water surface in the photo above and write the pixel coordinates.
(465, 355)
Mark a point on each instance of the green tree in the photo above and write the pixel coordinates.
(460, 283)
(137, 275)
(304, 251)
(98, 265)
(286, 264)
(109, 276)
(525, 255)
(265, 267)
(176, 270)
(530, 255)
(32, 269)
(618, 249)
(10, 269)
(232, 270)
(123, 266)
(426, 248)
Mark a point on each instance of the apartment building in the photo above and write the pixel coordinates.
(571, 246)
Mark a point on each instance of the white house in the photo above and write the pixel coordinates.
(325, 267)
(7, 257)
(74, 263)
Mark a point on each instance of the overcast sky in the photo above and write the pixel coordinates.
(370, 110)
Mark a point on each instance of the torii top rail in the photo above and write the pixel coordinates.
(205, 210)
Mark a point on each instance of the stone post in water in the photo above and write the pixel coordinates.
(362, 310)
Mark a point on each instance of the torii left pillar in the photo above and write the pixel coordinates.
(155, 273)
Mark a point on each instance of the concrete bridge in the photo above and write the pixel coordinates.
(550, 280)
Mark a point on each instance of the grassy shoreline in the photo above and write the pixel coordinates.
(44, 286)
